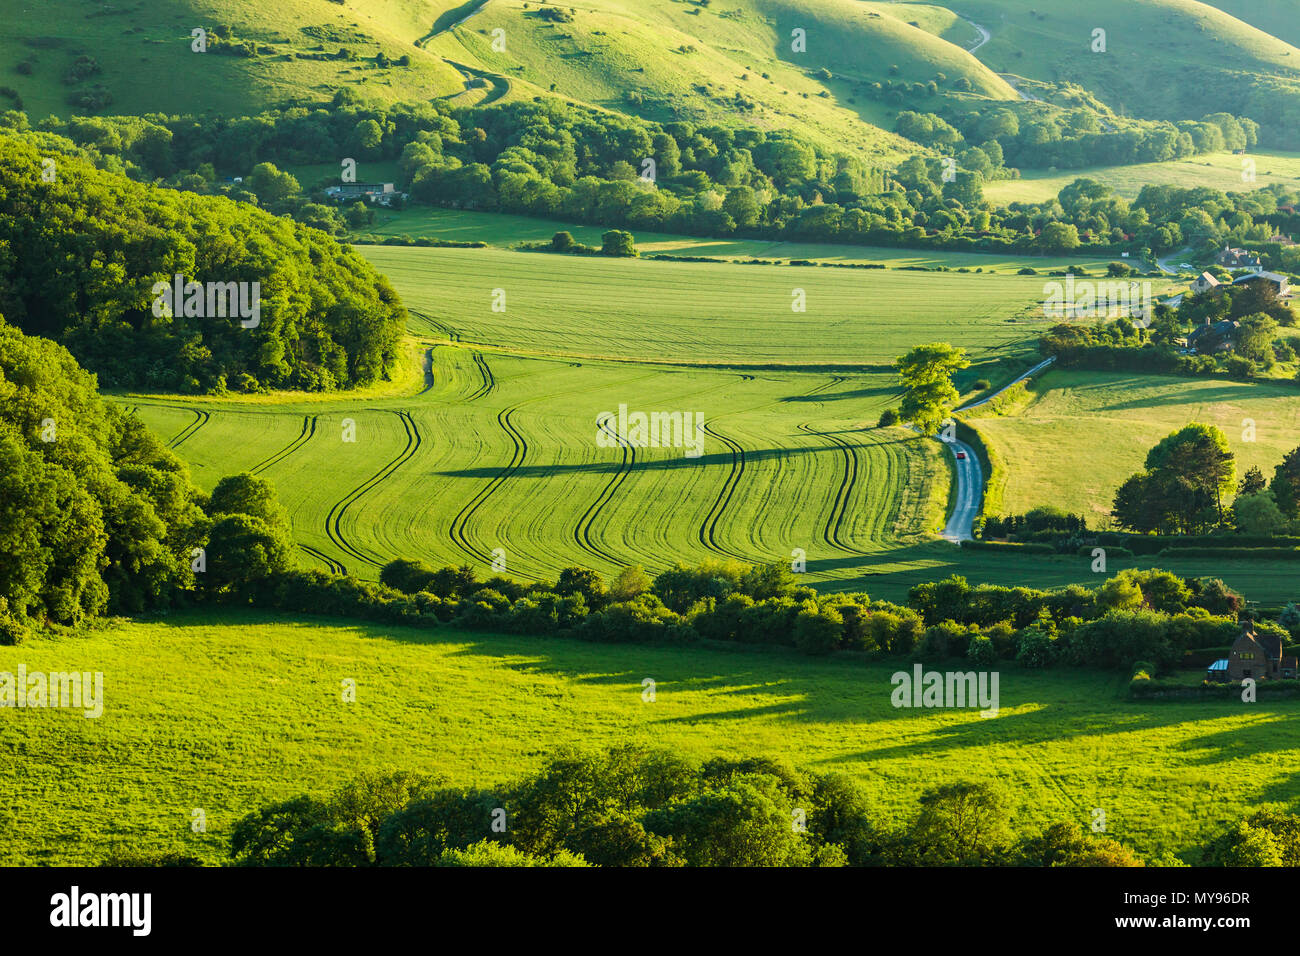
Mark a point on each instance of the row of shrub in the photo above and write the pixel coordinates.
(1134, 615)
(366, 239)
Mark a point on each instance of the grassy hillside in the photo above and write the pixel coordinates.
(227, 713)
(734, 66)
(145, 61)
(1223, 171)
(660, 60)
(1051, 444)
(1165, 59)
(1277, 17)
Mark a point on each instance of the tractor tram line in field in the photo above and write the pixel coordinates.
(709, 526)
(489, 381)
(831, 534)
(308, 431)
(519, 453)
(582, 531)
(200, 419)
(333, 520)
(335, 567)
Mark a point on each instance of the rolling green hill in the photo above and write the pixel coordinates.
(1164, 59)
(135, 47)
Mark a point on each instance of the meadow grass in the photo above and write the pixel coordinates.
(707, 313)
(1081, 434)
(1228, 172)
(226, 712)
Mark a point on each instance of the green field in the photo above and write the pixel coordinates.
(232, 712)
(507, 231)
(501, 452)
(706, 312)
(1228, 172)
(1083, 433)
(498, 450)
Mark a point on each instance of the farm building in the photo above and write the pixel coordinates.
(1254, 655)
(1280, 283)
(382, 193)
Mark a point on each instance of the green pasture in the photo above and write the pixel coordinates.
(1080, 434)
(227, 712)
(1228, 172)
(707, 313)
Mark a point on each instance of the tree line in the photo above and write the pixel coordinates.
(633, 805)
(562, 161)
(638, 806)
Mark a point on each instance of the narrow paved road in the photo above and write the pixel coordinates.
(1164, 264)
(1033, 371)
(970, 476)
(970, 487)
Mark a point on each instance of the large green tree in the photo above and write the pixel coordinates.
(1188, 474)
(929, 396)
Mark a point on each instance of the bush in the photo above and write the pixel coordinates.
(981, 652)
(12, 631)
(1036, 648)
(888, 417)
(818, 631)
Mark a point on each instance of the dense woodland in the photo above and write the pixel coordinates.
(81, 250)
(556, 160)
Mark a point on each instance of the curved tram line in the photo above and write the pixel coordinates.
(308, 430)
(582, 531)
(182, 436)
(489, 380)
(335, 567)
(459, 522)
(709, 527)
(831, 534)
(333, 520)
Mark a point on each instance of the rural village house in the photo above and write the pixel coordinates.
(381, 193)
(1254, 655)
(1213, 336)
(1237, 259)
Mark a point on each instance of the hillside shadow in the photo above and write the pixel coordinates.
(614, 466)
(743, 682)
(1186, 396)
